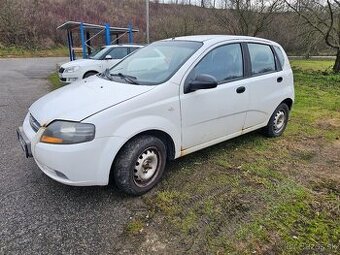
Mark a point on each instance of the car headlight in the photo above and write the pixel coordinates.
(71, 69)
(67, 132)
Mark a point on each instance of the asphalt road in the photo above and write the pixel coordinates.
(37, 214)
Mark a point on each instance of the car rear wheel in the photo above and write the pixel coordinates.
(140, 164)
(278, 121)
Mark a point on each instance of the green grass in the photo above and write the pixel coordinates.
(135, 226)
(254, 195)
(13, 52)
(312, 65)
(54, 80)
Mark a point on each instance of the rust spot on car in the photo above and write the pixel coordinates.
(183, 152)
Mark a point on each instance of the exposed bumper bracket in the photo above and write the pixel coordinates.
(24, 142)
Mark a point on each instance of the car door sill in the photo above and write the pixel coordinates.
(207, 144)
(219, 140)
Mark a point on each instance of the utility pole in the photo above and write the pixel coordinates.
(147, 21)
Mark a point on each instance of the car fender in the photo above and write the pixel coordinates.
(133, 127)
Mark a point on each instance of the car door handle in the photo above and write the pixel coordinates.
(240, 90)
(280, 79)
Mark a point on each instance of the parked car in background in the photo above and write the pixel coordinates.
(165, 101)
(97, 63)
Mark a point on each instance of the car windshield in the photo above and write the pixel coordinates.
(155, 63)
(100, 54)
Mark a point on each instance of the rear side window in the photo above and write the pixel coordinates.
(132, 49)
(280, 55)
(118, 53)
(262, 58)
(224, 63)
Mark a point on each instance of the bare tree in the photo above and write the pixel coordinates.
(247, 17)
(324, 18)
(11, 24)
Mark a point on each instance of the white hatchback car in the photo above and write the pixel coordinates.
(97, 63)
(168, 99)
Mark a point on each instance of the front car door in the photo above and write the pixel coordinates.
(213, 115)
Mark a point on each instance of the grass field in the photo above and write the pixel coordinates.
(54, 80)
(323, 66)
(15, 52)
(254, 195)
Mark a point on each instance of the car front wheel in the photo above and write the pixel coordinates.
(140, 164)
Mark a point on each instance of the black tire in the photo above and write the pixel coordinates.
(130, 169)
(273, 129)
(88, 74)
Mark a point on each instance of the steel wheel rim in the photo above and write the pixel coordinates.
(279, 121)
(146, 167)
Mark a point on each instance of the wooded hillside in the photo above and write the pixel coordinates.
(32, 23)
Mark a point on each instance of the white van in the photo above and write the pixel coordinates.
(168, 99)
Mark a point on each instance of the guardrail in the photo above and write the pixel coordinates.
(312, 57)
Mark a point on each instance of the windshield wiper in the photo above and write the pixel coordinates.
(128, 78)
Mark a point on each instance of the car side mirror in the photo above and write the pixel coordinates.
(202, 81)
(108, 57)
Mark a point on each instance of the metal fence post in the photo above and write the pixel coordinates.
(107, 34)
(147, 21)
(69, 44)
(82, 37)
(130, 33)
(72, 50)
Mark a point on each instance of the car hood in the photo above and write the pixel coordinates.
(81, 63)
(84, 98)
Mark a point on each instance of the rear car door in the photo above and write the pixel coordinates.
(265, 84)
(209, 115)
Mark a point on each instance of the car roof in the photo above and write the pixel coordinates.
(124, 45)
(218, 38)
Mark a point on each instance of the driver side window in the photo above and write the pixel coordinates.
(224, 63)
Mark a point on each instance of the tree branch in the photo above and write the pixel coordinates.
(327, 35)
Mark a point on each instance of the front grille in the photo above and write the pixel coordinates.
(61, 70)
(63, 79)
(34, 123)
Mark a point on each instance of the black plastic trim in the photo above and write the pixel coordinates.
(246, 59)
(277, 60)
(25, 143)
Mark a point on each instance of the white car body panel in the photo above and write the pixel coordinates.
(85, 66)
(61, 103)
(225, 113)
(121, 111)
